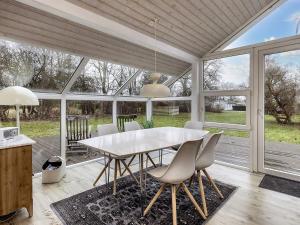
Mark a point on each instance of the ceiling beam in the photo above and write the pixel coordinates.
(75, 75)
(173, 79)
(129, 80)
(90, 19)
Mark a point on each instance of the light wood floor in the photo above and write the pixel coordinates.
(249, 204)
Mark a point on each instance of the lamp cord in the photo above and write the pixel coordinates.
(155, 23)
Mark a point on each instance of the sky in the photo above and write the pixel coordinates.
(278, 24)
(281, 22)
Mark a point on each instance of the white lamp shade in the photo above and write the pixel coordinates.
(16, 95)
(155, 91)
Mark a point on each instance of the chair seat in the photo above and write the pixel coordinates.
(158, 172)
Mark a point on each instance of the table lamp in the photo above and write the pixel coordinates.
(17, 96)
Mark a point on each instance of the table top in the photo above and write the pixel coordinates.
(142, 141)
(20, 140)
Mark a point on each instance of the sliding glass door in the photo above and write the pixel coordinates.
(279, 123)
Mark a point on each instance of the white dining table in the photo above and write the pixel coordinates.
(140, 142)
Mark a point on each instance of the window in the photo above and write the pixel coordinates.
(38, 69)
(129, 108)
(225, 104)
(226, 109)
(183, 86)
(233, 147)
(286, 16)
(171, 113)
(281, 123)
(230, 73)
(98, 112)
(42, 124)
(103, 78)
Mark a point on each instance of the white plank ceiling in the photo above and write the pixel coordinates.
(195, 26)
(34, 26)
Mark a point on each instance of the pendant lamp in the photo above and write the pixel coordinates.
(155, 90)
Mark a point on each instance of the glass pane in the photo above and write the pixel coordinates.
(36, 68)
(231, 73)
(286, 16)
(97, 112)
(183, 86)
(225, 109)
(133, 108)
(103, 78)
(233, 147)
(135, 86)
(171, 113)
(42, 124)
(282, 111)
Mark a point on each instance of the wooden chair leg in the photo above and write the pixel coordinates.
(202, 193)
(154, 199)
(174, 210)
(213, 184)
(128, 169)
(193, 200)
(191, 180)
(101, 173)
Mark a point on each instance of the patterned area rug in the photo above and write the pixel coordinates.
(99, 206)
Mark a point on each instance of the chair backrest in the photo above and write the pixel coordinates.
(121, 119)
(133, 125)
(206, 157)
(182, 166)
(78, 128)
(196, 125)
(105, 129)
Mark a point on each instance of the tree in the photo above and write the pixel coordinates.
(211, 73)
(280, 92)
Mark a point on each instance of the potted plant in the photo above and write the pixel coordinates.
(148, 124)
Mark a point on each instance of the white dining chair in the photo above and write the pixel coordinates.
(196, 125)
(205, 159)
(180, 169)
(107, 129)
(134, 125)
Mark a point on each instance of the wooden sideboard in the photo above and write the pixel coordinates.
(16, 176)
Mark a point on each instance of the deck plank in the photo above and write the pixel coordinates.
(233, 150)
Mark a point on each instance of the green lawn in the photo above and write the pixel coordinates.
(273, 131)
(235, 117)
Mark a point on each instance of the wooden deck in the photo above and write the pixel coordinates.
(234, 150)
(278, 156)
(46, 147)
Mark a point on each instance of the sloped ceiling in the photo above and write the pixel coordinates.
(25, 23)
(195, 26)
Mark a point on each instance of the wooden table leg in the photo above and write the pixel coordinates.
(115, 177)
(101, 173)
(131, 160)
(151, 160)
(142, 183)
(128, 169)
